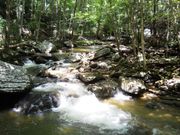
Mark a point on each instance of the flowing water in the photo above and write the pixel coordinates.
(81, 113)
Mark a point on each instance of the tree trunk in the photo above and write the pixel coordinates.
(155, 7)
(133, 29)
(8, 22)
(142, 33)
(73, 18)
(39, 20)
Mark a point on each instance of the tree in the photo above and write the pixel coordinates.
(142, 33)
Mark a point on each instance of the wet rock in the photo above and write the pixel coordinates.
(69, 44)
(125, 49)
(100, 65)
(13, 78)
(176, 72)
(43, 80)
(169, 100)
(14, 84)
(35, 103)
(171, 86)
(116, 57)
(40, 59)
(93, 65)
(33, 69)
(110, 38)
(104, 89)
(132, 86)
(90, 78)
(153, 105)
(46, 47)
(103, 52)
(103, 65)
(77, 57)
(151, 77)
(115, 74)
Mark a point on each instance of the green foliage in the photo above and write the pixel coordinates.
(93, 17)
(2, 24)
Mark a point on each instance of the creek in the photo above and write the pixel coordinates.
(81, 113)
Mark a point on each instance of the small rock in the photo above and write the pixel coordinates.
(69, 44)
(151, 77)
(153, 105)
(93, 65)
(116, 57)
(89, 78)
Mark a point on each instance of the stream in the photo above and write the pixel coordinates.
(81, 113)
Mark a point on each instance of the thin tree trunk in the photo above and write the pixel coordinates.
(142, 33)
(21, 20)
(8, 22)
(133, 30)
(155, 4)
(39, 20)
(73, 17)
(99, 20)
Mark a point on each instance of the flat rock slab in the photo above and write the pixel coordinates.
(13, 78)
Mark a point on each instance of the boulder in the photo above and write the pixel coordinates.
(14, 84)
(34, 69)
(132, 86)
(89, 78)
(173, 84)
(151, 77)
(170, 86)
(46, 47)
(103, 52)
(13, 78)
(36, 102)
(104, 89)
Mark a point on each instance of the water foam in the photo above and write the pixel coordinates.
(79, 105)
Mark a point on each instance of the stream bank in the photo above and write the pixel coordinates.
(86, 88)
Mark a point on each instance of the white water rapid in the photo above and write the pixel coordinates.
(79, 105)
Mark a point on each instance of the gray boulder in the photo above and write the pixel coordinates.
(132, 86)
(46, 47)
(171, 86)
(104, 89)
(103, 52)
(14, 84)
(33, 69)
(13, 78)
